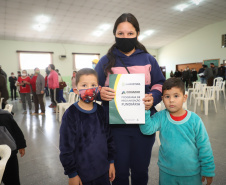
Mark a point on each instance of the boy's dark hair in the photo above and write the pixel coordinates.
(173, 82)
(85, 71)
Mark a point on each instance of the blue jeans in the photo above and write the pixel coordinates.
(203, 80)
(61, 98)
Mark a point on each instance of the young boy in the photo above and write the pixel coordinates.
(86, 144)
(185, 154)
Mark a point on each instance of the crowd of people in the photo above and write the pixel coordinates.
(33, 88)
(206, 74)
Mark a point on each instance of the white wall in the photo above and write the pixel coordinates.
(202, 44)
(9, 58)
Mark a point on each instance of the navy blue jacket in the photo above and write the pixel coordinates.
(86, 143)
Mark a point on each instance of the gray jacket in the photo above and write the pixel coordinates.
(40, 84)
(208, 73)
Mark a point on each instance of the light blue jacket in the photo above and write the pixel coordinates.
(185, 147)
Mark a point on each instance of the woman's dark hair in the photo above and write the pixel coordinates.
(173, 82)
(85, 71)
(52, 66)
(126, 17)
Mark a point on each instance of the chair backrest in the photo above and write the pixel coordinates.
(8, 107)
(210, 92)
(220, 85)
(71, 98)
(218, 79)
(5, 153)
(195, 83)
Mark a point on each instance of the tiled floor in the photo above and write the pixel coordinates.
(41, 165)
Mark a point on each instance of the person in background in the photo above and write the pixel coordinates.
(46, 82)
(25, 90)
(3, 90)
(194, 75)
(60, 90)
(12, 81)
(18, 74)
(133, 150)
(201, 75)
(214, 69)
(221, 71)
(38, 89)
(3, 73)
(171, 74)
(11, 173)
(73, 85)
(208, 73)
(186, 77)
(185, 155)
(53, 84)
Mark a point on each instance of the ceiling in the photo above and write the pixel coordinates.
(73, 21)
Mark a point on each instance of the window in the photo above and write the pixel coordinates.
(85, 60)
(30, 60)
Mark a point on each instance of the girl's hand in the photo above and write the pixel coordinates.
(208, 179)
(107, 94)
(148, 101)
(112, 172)
(75, 181)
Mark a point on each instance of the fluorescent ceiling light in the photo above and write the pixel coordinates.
(105, 27)
(149, 32)
(42, 19)
(39, 27)
(181, 7)
(97, 33)
(196, 1)
(141, 37)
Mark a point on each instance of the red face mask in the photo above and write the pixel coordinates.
(88, 95)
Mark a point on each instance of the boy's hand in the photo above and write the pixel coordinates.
(208, 179)
(22, 152)
(75, 181)
(112, 172)
(148, 101)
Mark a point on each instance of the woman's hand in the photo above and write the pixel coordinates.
(107, 94)
(75, 181)
(22, 152)
(148, 101)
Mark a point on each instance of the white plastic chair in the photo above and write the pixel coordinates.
(1, 100)
(8, 107)
(66, 92)
(193, 88)
(198, 91)
(218, 79)
(5, 153)
(220, 86)
(71, 99)
(64, 107)
(208, 96)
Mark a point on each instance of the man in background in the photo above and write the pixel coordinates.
(208, 73)
(12, 81)
(214, 69)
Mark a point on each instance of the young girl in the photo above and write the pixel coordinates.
(86, 144)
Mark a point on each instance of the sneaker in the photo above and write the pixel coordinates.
(51, 105)
(34, 114)
(25, 112)
(42, 113)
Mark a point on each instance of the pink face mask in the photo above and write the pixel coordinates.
(88, 95)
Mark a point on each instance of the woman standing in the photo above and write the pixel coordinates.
(25, 90)
(38, 89)
(73, 85)
(127, 55)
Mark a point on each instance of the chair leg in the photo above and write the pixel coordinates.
(191, 97)
(206, 107)
(215, 105)
(195, 105)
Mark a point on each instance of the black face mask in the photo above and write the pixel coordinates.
(126, 44)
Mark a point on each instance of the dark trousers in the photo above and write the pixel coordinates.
(53, 96)
(11, 174)
(61, 96)
(210, 81)
(103, 180)
(13, 91)
(38, 100)
(186, 83)
(134, 153)
(47, 91)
